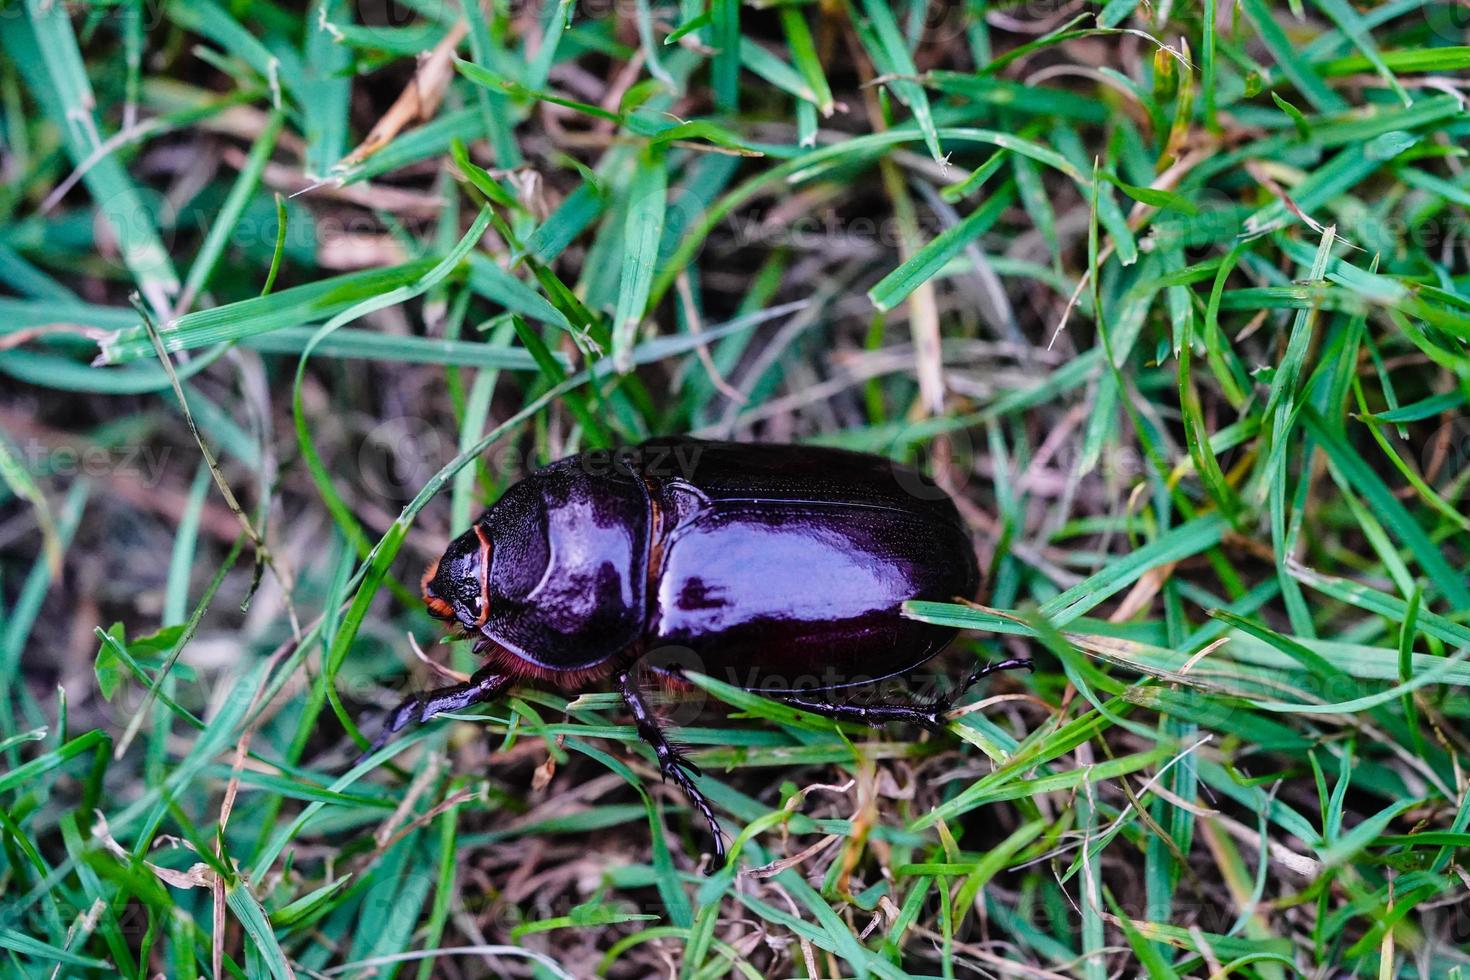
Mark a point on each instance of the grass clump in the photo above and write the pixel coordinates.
(1173, 297)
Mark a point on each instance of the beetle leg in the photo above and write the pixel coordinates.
(484, 685)
(942, 705)
(926, 714)
(1015, 663)
(671, 761)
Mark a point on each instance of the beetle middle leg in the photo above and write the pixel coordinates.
(671, 762)
(926, 714)
(484, 685)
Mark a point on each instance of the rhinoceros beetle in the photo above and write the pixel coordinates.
(779, 568)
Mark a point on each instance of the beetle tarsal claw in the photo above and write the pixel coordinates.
(400, 718)
(679, 769)
(937, 718)
(1015, 663)
(681, 778)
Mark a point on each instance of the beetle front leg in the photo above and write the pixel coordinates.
(671, 762)
(484, 685)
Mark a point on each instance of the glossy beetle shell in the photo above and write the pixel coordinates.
(778, 568)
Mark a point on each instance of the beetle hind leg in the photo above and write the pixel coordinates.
(672, 764)
(931, 714)
(945, 702)
(484, 685)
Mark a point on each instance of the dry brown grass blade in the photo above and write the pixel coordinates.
(691, 317)
(776, 867)
(419, 100)
(1143, 592)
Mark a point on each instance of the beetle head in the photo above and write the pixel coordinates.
(457, 585)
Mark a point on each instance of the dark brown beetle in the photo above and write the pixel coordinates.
(779, 569)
